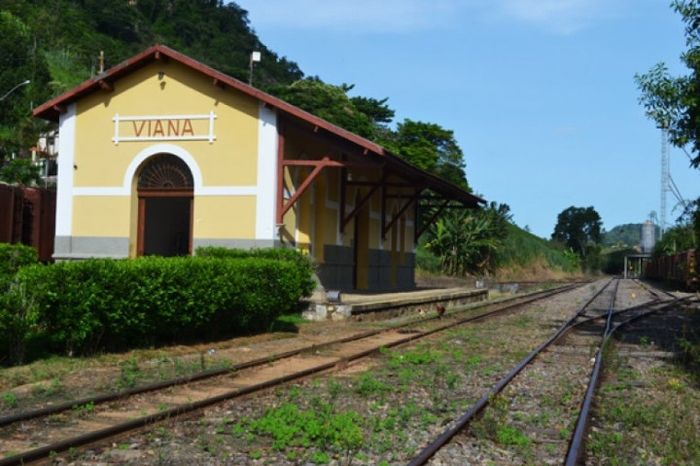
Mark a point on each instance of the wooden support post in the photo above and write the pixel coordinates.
(343, 187)
(383, 221)
(415, 223)
(280, 173)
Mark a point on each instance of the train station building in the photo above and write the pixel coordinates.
(162, 154)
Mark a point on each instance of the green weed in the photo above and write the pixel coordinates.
(129, 373)
(84, 410)
(508, 435)
(368, 385)
(9, 400)
(322, 428)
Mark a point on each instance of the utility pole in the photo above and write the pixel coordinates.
(254, 58)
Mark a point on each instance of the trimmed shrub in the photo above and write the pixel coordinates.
(14, 256)
(301, 261)
(85, 306)
(15, 320)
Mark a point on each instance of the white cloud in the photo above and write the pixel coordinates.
(558, 16)
(404, 16)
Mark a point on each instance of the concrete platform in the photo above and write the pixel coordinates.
(363, 306)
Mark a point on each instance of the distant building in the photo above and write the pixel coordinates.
(162, 154)
(45, 154)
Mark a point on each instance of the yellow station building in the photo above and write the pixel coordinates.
(162, 154)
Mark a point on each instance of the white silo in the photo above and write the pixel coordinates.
(648, 237)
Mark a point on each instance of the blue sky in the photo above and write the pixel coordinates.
(540, 93)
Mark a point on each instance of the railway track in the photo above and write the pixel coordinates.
(653, 291)
(565, 359)
(36, 434)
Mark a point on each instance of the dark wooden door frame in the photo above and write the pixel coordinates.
(144, 194)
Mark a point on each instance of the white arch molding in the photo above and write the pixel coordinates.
(199, 188)
(171, 149)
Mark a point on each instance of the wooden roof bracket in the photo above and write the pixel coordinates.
(424, 227)
(403, 209)
(161, 57)
(318, 165)
(106, 85)
(345, 220)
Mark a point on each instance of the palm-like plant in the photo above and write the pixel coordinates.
(467, 241)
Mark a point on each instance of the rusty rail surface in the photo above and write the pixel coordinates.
(463, 420)
(91, 437)
(576, 444)
(459, 424)
(107, 397)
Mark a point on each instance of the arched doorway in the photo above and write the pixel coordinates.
(165, 193)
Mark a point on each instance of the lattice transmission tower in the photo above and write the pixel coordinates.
(665, 180)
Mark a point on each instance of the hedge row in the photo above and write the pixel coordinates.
(12, 257)
(87, 306)
(300, 261)
(13, 319)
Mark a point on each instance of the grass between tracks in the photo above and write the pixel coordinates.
(379, 412)
(61, 378)
(648, 410)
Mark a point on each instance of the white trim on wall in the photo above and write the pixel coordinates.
(203, 191)
(66, 161)
(265, 203)
(125, 188)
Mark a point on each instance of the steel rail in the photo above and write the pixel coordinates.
(577, 440)
(91, 437)
(96, 399)
(107, 397)
(653, 291)
(463, 420)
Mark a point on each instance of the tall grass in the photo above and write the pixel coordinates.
(519, 250)
(522, 248)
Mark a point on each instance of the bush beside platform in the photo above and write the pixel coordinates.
(94, 305)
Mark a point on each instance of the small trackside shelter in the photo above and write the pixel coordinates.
(162, 154)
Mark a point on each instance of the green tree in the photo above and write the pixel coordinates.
(676, 239)
(332, 103)
(20, 171)
(578, 228)
(19, 61)
(430, 147)
(671, 101)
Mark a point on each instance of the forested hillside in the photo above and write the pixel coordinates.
(56, 44)
(629, 234)
(70, 33)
